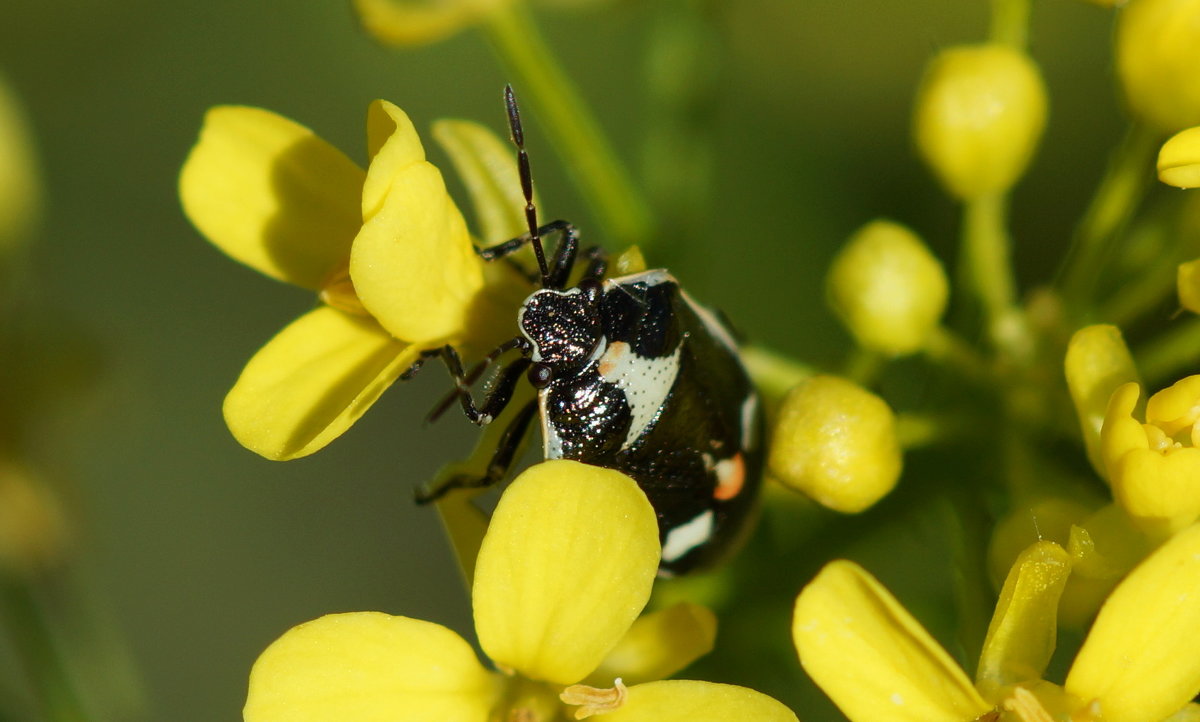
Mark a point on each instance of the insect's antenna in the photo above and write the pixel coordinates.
(518, 138)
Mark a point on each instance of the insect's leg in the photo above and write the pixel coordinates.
(597, 262)
(513, 245)
(464, 383)
(496, 399)
(564, 257)
(416, 365)
(498, 466)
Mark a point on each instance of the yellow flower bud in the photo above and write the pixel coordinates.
(887, 287)
(836, 442)
(1179, 159)
(1097, 362)
(980, 113)
(1154, 467)
(1158, 54)
(1188, 281)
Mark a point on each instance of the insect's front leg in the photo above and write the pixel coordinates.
(494, 401)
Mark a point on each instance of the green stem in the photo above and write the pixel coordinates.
(34, 643)
(1010, 22)
(1174, 349)
(773, 373)
(863, 366)
(1113, 205)
(946, 348)
(573, 131)
(986, 251)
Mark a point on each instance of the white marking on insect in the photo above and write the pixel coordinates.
(645, 381)
(552, 445)
(686, 537)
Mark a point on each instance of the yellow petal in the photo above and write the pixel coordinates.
(311, 382)
(393, 146)
(488, 167)
(1021, 636)
(1176, 407)
(369, 667)
(872, 658)
(415, 22)
(660, 644)
(1179, 159)
(1160, 491)
(1190, 713)
(1097, 363)
(412, 263)
(1140, 657)
(1120, 432)
(271, 194)
(688, 701)
(565, 568)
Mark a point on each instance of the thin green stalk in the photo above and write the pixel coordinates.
(1116, 199)
(863, 366)
(1170, 352)
(34, 643)
(1010, 22)
(774, 373)
(986, 252)
(573, 130)
(944, 347)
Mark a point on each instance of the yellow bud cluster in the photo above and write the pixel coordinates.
(888, 288)
(837, 443)
(1158, 61)
(980, 112)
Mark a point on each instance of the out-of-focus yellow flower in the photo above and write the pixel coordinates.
(33, 529)
(417, 22)
(980, 112)
(1154, 467)
(1188, 285)
(1179, 159)
(20, 187)
(888, 288)
(1097, 362)
(1137, 664)
(836, 442)
(1158, 51)
(566, 566)
(387, 251)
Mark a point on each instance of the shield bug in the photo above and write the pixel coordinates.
(631, 374)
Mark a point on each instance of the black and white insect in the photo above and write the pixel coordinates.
(631, 374)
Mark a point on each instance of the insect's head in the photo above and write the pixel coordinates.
(563, 327)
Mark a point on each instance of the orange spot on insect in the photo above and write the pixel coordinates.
(731, 477)
(608, 362)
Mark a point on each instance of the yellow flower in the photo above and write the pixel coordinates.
(836, 442)
(1137, 664)
(20, 188)
(1179, 159)
(1154, 468)
(1158, 51)
(386, 250)
(416, 22)
(566, 566)
(980, 112)
(888, 288)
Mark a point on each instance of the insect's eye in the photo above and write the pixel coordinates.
(540, 375)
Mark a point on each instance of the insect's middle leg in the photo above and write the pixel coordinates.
(498, 466)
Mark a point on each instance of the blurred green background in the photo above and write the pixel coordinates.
(194, 553)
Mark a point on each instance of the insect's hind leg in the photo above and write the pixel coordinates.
(498, 466)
